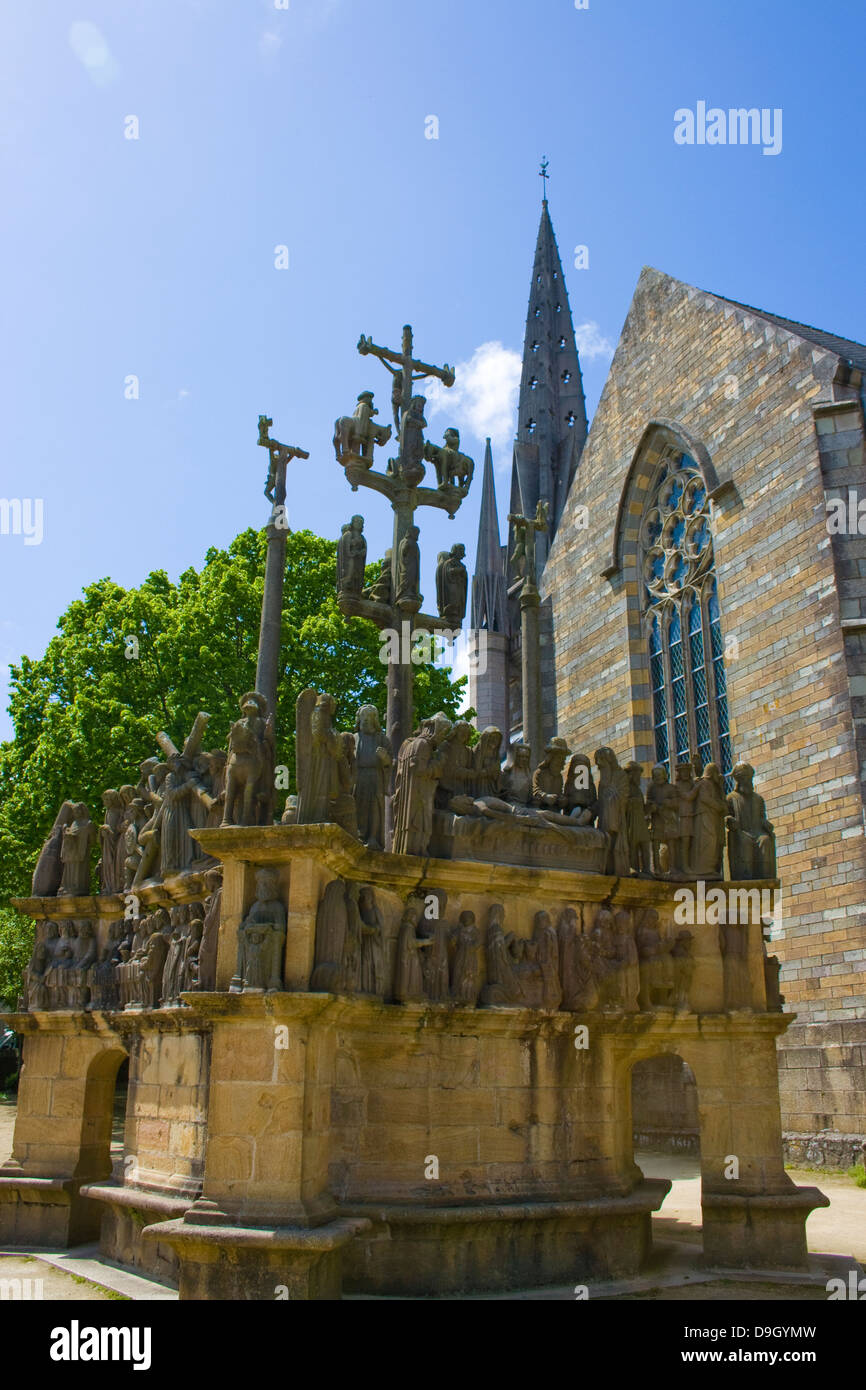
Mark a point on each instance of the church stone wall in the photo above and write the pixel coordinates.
(746, 390)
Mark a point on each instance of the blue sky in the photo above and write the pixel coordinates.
(305, 127)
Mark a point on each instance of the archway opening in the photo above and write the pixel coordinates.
(101, 1094)
(666, 1144)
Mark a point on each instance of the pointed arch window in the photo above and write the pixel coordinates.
(682, 619)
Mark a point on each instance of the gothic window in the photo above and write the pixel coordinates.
(538, 313)
(535, 347)
(569, 419)
(682, 620)
(562, 342)
(566, 377)
(531, 426)
(533, 383)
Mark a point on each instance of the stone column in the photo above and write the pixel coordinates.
(531, 672)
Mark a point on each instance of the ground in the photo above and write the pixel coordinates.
(838, 1229)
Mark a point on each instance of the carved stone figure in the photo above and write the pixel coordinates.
(663, 808)
(612, 798)
(434, 963)
(290, 814)
(517, 777)
(382, 588)
(411, 460)
(189, 971)
(210, 772)
(772, 971)
(372, 768)
(409, 972)
(457, 769)
(419, 763)
(711, 809)
(332, 925)
(581, 800)
(636, 827)
(179, 794)
(134, 822)
(110, 835)
(355, 435)
(453, 469)
(684, 969)
(547, 955)
(372, 944)
(78, 838)
(103, 988)
(626, 958)
(605, 960)
(466, 964)
(452, 584)
(44, 950)
(408, 595)
(250, 769)
(321, 759)
(502, 985)
(173, 969)
(734, 947)
(687, 795)
(548, 788)
(49, 865)
(152, 961)
(751, 839)
(352, 947)
(262, 939)
(486, 763)
(351, 558)
(207, 953)
(651, 951)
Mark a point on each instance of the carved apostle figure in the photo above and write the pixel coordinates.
(332, 924)
(517, 775)
(548, 787)
(78, 838)
(651, 951)
(409, 571)
(751, 839)
(457, 771)
(663, 808)
(434, 963)
(49, 866)
(152, 962)
(321, 759)
(372, 769)
(452, 582)
(177, 816)
(110, 880)
(207, 954)
(351, 558)
(711, 809)
(687, 795)
(487, 763)
(411, 460)
(684, 968)
(581, 800)
(419, 764)
(372, 944)
(408, 971)
(466, 964)
(547, 956)
(612, 798)
(502, 985)
(262, 939)
(636, 826)
(250, 768)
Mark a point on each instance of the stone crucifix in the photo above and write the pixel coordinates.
(267, 668)
(394, 601)
(526, 529)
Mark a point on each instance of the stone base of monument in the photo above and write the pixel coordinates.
(290, 1144)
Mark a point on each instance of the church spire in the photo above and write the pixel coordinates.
(489, 604)
(551, 417)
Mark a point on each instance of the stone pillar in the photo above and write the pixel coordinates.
(533, 732)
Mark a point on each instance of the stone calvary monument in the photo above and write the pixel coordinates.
(386, 1045)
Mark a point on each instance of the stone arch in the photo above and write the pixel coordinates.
(94, 1158)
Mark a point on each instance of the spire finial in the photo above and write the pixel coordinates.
(543, 174)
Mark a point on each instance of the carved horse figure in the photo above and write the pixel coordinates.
(355, 435)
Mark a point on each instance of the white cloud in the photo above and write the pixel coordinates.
(483, 399)
(591, 342)
(90, 48)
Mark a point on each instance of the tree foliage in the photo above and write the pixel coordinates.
(87, 712)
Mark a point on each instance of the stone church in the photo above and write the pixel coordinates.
(697, 605)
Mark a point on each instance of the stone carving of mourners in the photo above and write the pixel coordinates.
(486, 763)
(110, 881)
(372, 769)
(612, 798)
(323, 772)
(626, 959)
(636, 826)
(751, 839)
(434, 963)
(457, 771)
(663, 808)
(684, 969)
(78, 838)
(409, 571)
(351, 558)
(502, 986)
(687, 794)
(207, 954)
(262, 939)
(650, 950)
(49, 865)
(547, 956)
(409, 972)
(711, 809)
(548, 788)
(517, 775)
(466, 964)
(734, 947)
(419, 763)
(249, 793)
(581, 801)
(372, 944)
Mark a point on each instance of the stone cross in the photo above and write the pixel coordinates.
(267, 668)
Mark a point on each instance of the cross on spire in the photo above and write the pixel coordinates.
(543, 174)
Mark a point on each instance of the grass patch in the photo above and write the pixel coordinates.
(857, 1174)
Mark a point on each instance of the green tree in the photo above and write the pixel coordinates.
(86, 714)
